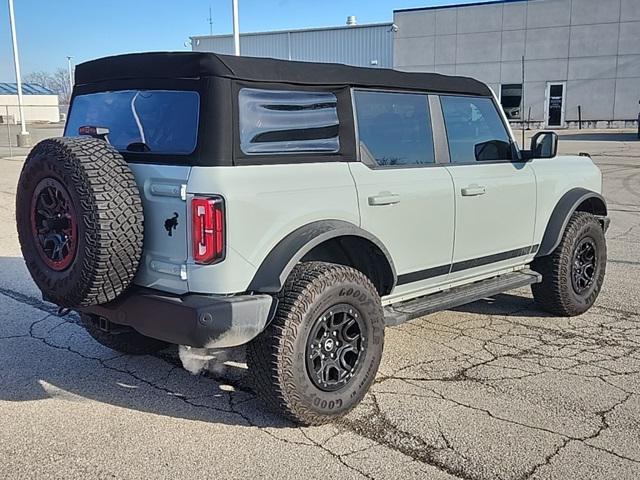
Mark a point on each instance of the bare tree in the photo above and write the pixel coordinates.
(39, 78)
(58, 82)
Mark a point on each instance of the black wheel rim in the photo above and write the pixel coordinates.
(54, 224)
(585, 263)
(335, 347)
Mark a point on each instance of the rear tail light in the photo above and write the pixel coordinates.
(207, 216)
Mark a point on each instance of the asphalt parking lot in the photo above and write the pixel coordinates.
(495, 389)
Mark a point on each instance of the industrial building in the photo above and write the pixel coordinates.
(39, 104)
(368, 45)
(552, 63)
(581, 57)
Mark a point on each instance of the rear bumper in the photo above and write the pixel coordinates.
(203, 321)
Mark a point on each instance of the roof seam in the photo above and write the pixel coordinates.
(457, 5)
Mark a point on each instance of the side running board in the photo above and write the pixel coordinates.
(454, 297)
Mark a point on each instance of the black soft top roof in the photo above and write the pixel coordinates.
(197, 64)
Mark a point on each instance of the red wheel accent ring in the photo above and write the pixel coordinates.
(54, 224)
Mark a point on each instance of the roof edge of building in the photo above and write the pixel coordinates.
(28, 88)
(296, 30)
(458, 5)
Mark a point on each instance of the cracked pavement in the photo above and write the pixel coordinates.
(492, 390)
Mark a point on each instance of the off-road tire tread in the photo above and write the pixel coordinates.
(271, 355)
(551, 293)
(111, 210)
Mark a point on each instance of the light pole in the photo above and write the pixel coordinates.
(23, 136)
(236, 29)
(70, 76)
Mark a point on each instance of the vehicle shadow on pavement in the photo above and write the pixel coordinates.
(44, 356)
(506, 305)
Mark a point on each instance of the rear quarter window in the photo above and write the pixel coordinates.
(394, 128)
(287, 121)
(152, 121)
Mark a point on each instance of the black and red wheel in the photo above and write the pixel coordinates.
(80, 221)
(54, 224)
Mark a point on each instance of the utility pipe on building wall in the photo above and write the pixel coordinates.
(16, 62)
(579, 117)
(236, 29)
(522, 107)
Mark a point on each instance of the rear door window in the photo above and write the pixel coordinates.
(475, 130)
(288, 121)
(153, 121)
(394, 128)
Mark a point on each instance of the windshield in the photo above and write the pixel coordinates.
(155, 121)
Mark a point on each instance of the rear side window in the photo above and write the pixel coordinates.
(394, 128)
(154, 121)
(288, 121)
(475, 130)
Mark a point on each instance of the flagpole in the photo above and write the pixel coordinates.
(236, 29)
(23, 137)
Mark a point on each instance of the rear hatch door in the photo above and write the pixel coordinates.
(154, 130)
(163, 192)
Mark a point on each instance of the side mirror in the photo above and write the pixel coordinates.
(492, 150)
(543, 145)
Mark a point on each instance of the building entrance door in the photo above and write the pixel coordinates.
(554, 111)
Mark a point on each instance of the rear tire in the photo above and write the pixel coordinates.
(572, 275)
(306, 364)
(122, 339)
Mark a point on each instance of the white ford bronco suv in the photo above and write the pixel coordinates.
(212, 201)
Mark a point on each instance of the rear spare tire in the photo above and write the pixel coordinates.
(80, 221)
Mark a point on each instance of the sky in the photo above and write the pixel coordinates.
(50, 30)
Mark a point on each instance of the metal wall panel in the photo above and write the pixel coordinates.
(365, 45)
(590, 45)
(273, 45)
(216, 44)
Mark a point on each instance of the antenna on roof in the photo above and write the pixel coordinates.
(210, 19)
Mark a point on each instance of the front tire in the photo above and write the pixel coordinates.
(320, 354)
(572, 275)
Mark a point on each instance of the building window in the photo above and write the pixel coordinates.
(394, 128)
(475, 130)
(511, 100)
(288, 121)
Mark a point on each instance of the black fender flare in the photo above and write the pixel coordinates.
(563, 210)
(278, 264)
